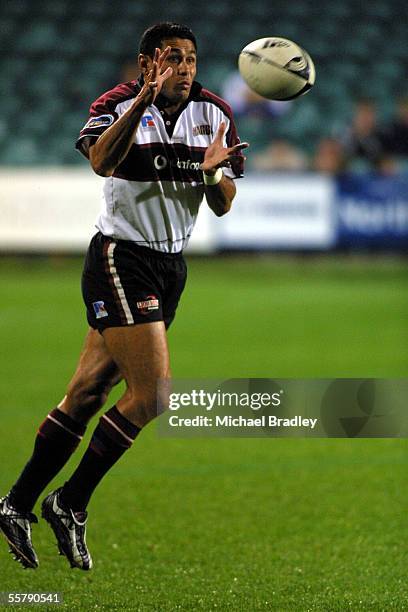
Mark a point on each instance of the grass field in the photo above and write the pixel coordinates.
(225, 524)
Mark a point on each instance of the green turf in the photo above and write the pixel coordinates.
(225, 524)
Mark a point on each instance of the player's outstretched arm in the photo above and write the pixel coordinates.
(219, 189)
(113, 145)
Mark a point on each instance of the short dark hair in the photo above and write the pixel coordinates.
(154, 36)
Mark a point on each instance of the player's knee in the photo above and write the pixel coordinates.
(86, 396)
(143, 406)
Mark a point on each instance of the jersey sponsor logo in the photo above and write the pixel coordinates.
(187, 164)
(161, 162)
(202, 130)
(150, 303)
(147, 122)
(97, 122)
(100, 310)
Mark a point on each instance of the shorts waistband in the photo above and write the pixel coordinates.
(138, 248)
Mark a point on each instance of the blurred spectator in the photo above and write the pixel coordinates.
(244, 101)
(395, 135)
(363, 138)
(329, 157)
(387, 166)
(130, 70)
(280, 156)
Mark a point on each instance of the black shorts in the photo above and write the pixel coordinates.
(126, 284)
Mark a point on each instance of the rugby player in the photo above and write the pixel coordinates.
(162, 143)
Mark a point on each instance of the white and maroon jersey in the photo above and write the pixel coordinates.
(154, 195)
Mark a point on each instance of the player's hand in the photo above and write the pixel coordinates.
(217, 156)
(155, 77)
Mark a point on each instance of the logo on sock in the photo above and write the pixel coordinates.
(100, 310)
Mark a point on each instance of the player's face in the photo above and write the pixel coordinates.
(183, 60)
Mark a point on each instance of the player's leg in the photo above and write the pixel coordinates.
(95, 375)
(141, 353)
(57, 438)
(131, 294)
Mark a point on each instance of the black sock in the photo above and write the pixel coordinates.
(111, 438)
(57, 438)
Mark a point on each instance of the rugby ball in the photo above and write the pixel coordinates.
(277, 68)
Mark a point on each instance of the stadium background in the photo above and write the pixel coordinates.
(216, 524)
